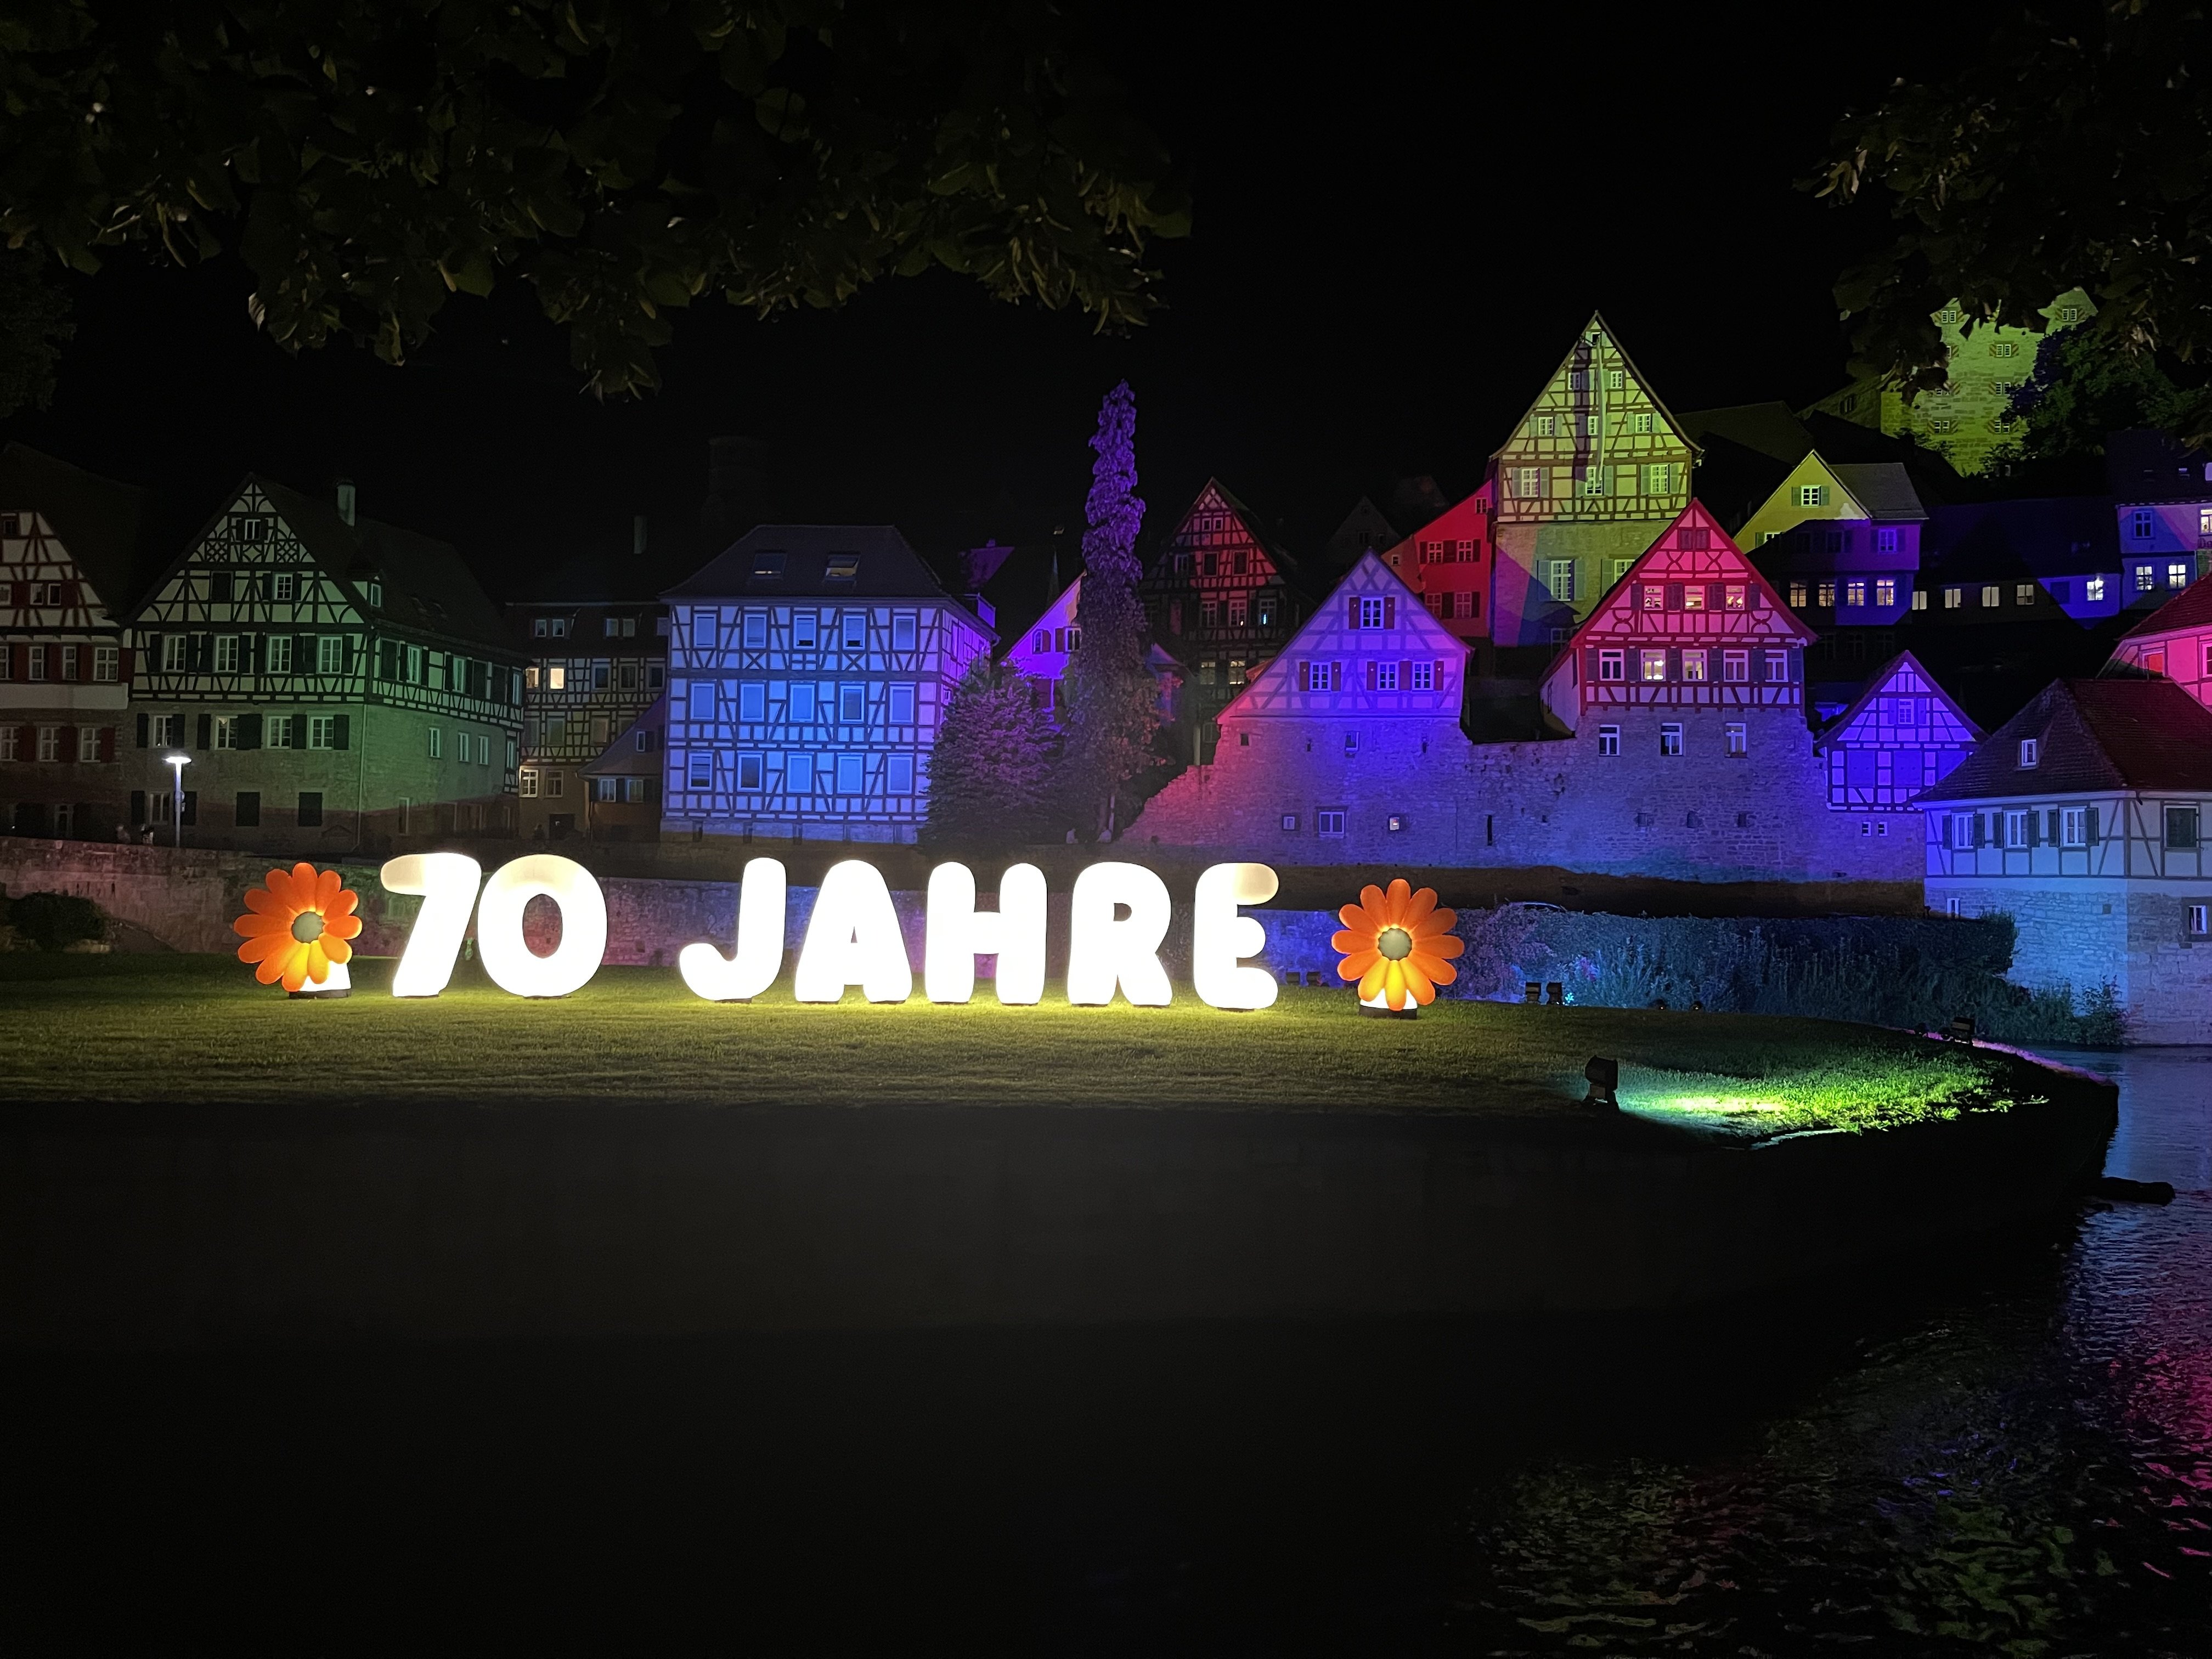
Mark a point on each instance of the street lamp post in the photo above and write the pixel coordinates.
(176, 765)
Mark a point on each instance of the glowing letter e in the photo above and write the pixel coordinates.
(1219, 937)
(1104, 950)
(446, 883)
(852, 938)
(760, 941)
(958, 934)
(507, 957)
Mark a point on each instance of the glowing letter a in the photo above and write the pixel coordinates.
(852, 938)
(760, 941)
(958, 933)
(446, 883)
(1102, 951)
(1220, 936)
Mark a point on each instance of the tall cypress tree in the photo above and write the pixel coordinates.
(1113, 704)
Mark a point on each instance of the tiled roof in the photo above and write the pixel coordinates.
(1769, 429)
(806, 560)
(107, 528)
(622, 759)
(2189, 608)
(1883, 488)
(2092, 735)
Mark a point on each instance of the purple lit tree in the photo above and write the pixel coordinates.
(990, 771)
(1113, 704)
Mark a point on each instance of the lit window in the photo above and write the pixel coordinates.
(1992, 596)
(1670, 740)
(2028, 748)
(1739, 739)
(2023, 594)
(1655, 597)
(1827, 595)
(1608, 740)
(1735, 667)
(1693, 665)
(2178, 575)
(1855, 594)
(2094, 589)
(1800, 596)
(1733, 597)
(1236, 670)
(556, 676)
(1885, 592)
(1953, 598)
(1919, 599)
(1654, 665)
(1693, 597)
(2146, 578)
(1613, 664)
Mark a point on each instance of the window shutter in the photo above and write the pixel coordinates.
(126, 661)
(1370, 673)
(196, 652)
(249, 731)
(2035, 829)
(206, 733)
(2091, 828)
(2050, 829)
(303, 654)
(1352, 610)
(1390, 611)
(68, 750)
(106, 749)
(341, 731)
(142, 723)
(138, 802)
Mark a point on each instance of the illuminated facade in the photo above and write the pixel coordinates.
(594, 667)
(1970, 417)
(70, 565)
(2083, 819)
(1043, 650)
(1221, 597)
(334, 681)
(1841, 542)
(1449, 563)
(2175, 641)
(1591, 474)
(1903, 734)
(808, 666)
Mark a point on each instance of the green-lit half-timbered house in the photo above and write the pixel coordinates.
(336, 685)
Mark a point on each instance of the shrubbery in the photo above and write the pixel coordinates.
(1918, 972)
(54, 921)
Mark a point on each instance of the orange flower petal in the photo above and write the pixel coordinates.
(1357, 963)
(1400, 895)
(296, 973)
(1439, 944)
(271, 971)
(1370, 900)
(1442, 972)
(1440, 921)
(267, 946)
(327, 886)
(344, 903)
(1416, 913)
(253, 927)
(336, 949)
(262, 902)
(1370, 982)
(341, 926)
(1351, 938)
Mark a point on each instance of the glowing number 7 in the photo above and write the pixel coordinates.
(446, 883)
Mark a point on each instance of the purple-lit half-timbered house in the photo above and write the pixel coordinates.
(807, 672)
(1902, 734)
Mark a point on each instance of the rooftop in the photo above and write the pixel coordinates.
(2092, 734)
(815, 561)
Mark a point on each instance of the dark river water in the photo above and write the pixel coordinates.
(2009, 1449)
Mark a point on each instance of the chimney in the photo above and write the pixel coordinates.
(345, 499)
(637, 537)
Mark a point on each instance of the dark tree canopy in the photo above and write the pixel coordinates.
(368, 158)
(2075, 152)
(34, 323)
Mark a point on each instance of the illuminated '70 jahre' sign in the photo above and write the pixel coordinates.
(1118, 914)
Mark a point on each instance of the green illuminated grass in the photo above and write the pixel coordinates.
(197, 1028)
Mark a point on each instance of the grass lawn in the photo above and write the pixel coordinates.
(190, 1028)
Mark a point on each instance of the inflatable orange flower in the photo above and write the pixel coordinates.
(1396, 945)
(297, 926)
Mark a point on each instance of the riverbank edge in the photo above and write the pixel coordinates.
(131, 1227)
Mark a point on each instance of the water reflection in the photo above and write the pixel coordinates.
(2007, 1449)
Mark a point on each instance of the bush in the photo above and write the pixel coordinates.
(53, 922)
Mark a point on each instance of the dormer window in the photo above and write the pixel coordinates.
(768, 567)
(2027, 752)
(842, 568)
(372, 590)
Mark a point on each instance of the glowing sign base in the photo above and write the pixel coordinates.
(1378, 1005)
(339, 984)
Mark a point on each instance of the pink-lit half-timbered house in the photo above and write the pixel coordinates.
(2175, 641)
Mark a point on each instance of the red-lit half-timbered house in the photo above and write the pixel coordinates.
(1448, 562)
(2175, 641)
(72, 562)
(1902, 734)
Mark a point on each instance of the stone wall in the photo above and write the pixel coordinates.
(1701, 815)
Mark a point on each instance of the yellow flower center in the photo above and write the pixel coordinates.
(1395, 943)
(307, 927)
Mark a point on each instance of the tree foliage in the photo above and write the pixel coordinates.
(2081, 390)
(1113, 701)
(990, 770)
(369, 159)
(2077, 151)
(33, 324)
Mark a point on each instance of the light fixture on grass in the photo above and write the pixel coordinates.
(1603, 1075)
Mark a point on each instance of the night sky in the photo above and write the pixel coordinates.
(1400, 222)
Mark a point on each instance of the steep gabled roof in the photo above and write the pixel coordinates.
(1770, 429)
(1881, 681)
(622, 759)
(887, 568)
(1883, 488)
(2092, 735)
(2189, 608)
(1597, 321)
(109, 529)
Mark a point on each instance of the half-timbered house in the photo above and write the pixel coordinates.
(1448, 562)
(1590, 475)
(623, 783)
(2175, 641)
(1043, 650)
(73, 554)
(335, 683)
(1222, 597)
(1333, 752)
(1841, 540)
(1903, 734)
(807, 672)
(2083, 819)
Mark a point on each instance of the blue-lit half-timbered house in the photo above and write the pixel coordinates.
(808, 666)
(1903, 734)
(2083, 819)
